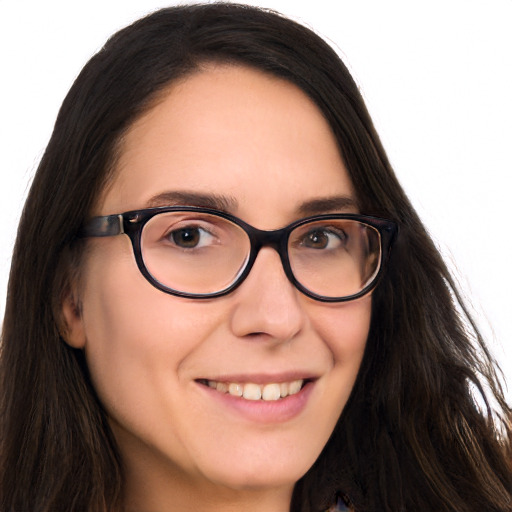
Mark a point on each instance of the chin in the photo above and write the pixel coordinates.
(249, 474)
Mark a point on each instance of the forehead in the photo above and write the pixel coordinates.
(230, 131)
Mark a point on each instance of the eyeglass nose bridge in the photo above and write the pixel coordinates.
(276, 239)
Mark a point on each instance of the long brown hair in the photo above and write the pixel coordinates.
(412, 437)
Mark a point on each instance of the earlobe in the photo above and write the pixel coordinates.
(71, 322)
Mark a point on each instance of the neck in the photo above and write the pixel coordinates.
(170, 499)
(146, 491)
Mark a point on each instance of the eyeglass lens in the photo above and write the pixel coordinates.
(201, 253)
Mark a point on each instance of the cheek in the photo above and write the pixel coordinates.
(344, 328)
(137, 337)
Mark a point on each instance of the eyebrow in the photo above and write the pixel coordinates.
(229, 204)
(327, 205)
(214, 201)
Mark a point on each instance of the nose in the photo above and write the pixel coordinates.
(267, 303)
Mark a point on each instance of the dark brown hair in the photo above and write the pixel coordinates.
(412, 437)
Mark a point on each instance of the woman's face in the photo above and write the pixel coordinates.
(258, 146)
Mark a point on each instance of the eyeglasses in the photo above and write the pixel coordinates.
(202, 253)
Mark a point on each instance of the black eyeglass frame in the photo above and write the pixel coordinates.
(132, 223)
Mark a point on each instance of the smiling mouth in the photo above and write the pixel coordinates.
(251, 391)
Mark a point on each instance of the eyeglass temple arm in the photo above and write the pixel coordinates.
(109, 225)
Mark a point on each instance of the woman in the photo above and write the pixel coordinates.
(218, 312)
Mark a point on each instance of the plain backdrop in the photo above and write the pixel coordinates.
(436, 76)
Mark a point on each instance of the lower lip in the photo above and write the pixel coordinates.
(264, 411)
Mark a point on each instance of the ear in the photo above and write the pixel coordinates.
(71, 322)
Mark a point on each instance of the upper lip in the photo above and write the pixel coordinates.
(263, 378)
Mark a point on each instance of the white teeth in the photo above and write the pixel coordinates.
(294, 387)
(222, 387)
(236, 389)
(251, 391)
(271, 392)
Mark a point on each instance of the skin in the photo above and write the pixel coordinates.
(261, 143)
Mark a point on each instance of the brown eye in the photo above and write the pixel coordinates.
(324, 239)
(316, 239)
(187, 238)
